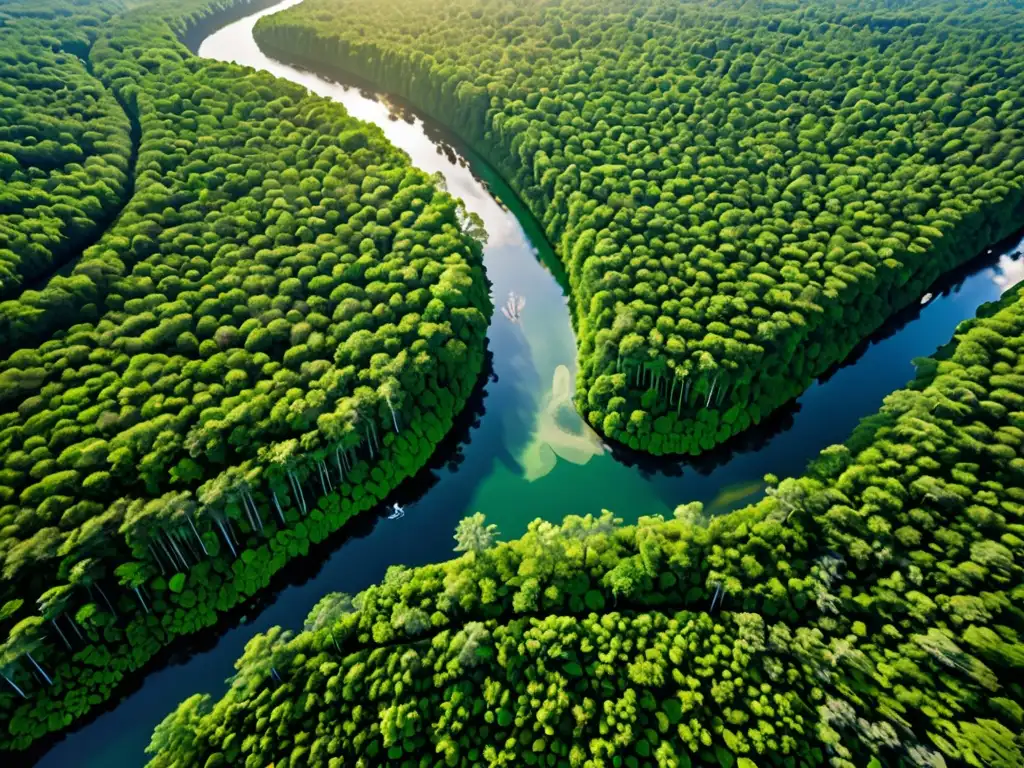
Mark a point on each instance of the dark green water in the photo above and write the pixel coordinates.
(522, 451)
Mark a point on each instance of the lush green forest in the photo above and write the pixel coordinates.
(865, 614)
(277, 329)
(65, 144)
(740, 192)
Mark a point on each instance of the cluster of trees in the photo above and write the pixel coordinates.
(279, 328)
(739, 193)
(65, 143)
(865, 614)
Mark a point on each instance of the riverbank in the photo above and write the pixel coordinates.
(504, 463)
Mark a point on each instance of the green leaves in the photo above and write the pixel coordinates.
(820, 630)
(238, 344)
(724, 212)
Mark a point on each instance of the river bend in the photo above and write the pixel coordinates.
(522, 451)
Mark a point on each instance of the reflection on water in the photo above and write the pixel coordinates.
(1009, 270)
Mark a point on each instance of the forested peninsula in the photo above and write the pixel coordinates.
(866, 614)
(739, 192)
(267, 320)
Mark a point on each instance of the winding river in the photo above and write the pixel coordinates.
(521, 451)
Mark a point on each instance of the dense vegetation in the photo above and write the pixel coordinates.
(866, 614)
(65, 145)
(739, 192)
(278, 328)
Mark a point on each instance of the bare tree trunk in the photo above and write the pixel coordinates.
(220, 524)
(198, 537)
(174, 546)
(297, 491)
(187, 541)
(337, 462)
(74, 626)
(13, 685)
(247, 495)
(157, 560)
(320, 474)
(106, 599)
(167, 552)
(277, 506)
(138, 594)
(61, 633)
(41, 670)
(394, 419)
(711, 392)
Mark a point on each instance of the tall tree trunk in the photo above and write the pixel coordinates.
(61, 633)
(394, 419)
(106, 599)
(187, 541)
(337, 462)
(157, 560)
(247, 497)
(177, 550)
(248, 515)
(13, 685)
(297, 491)
(711, 392)
(277, 506)
(227, 538)
(198, 537)
(40, 669)
(714, 599)
(74, 626)
(231, 530)
(320, 474)
(167, 552)
(138, 594)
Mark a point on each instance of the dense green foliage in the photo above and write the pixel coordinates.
(65, 148)
(739, 192)
(278, 329)
(866, 614)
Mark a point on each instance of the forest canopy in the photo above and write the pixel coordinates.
(279, 327)
(865, 614)
(65, 144)
(739, 192)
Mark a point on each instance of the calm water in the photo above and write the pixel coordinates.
(522, 451)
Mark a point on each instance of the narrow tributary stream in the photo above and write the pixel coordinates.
(523, 452)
